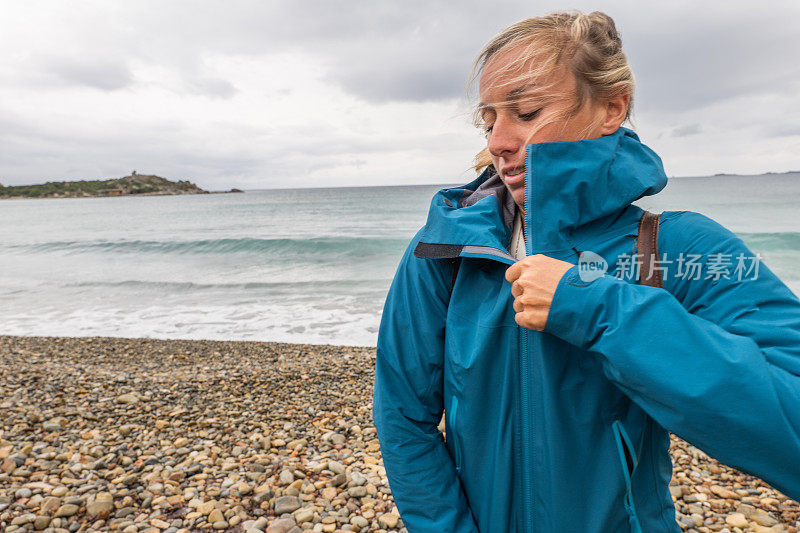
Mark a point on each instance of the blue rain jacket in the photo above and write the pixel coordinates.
(566, 429)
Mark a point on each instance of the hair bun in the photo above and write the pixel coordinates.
(603, 25)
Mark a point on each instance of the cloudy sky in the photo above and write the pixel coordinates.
(263, 94)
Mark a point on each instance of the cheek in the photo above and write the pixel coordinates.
(547, 128)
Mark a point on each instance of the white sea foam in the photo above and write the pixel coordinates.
(307, 266)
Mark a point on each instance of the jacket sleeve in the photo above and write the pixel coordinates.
(715, 361)
(407, 403)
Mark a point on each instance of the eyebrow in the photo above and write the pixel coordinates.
(511, 94)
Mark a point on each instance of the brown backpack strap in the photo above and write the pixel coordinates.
(647, 247)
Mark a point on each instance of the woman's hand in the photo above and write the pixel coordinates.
(533, 284)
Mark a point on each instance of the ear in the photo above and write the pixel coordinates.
(615, 110)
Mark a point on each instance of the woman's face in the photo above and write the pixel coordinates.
(521, 112)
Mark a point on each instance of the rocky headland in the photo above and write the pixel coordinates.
(134, 184)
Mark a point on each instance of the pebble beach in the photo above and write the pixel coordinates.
(145, 435)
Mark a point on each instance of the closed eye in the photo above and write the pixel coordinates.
(529, 116)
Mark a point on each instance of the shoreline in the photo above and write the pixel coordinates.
(127, 434)
(116, 195)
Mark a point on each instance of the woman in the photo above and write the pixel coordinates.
(559, 391)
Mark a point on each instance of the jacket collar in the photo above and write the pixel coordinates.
(575, 189)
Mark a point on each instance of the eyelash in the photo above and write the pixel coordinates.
(526, 117)
(530, 116)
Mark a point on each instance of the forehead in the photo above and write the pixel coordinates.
(514, 73)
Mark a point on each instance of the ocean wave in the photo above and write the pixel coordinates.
(336, 246)
(180, 286)
(788, 241)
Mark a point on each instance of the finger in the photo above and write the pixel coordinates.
(518, 307)
(513, 272)
(516, 289)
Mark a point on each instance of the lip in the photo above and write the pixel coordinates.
(517, 179)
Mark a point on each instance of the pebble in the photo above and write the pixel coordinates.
(282, 525)
(286, 504)
(737, 520)
(147, 436)
(67, 510)
(127, 398)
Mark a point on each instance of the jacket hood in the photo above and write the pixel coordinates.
(573, 188)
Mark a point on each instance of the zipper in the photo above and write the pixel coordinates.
(525, 373)
(628, 461)
(453, 410)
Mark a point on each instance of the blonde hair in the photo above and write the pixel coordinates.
(586, 45)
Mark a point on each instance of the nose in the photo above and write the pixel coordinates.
(504, 140)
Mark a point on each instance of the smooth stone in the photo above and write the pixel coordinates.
(303, 515)
(336, 467)
(125, 511)
(388, 520)
(357, 492)
(26, 518)
(736, 520)
(286, 504)
(99, 507)
(286, 477)
(777, 528)
(763, 519)
(127, 399)
(206, 507)
(722, 492)
(359, 522)
(357, 479)
(281, 525)
(68, 509)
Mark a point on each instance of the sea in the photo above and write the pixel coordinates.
(287, 265)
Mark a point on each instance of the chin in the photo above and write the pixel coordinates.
(519, 198)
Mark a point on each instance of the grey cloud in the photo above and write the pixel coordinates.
(685, 131)
(781, 129)
(683, 64)
(422, 51)
(684, 59)
(379, 51)
(419, 83)
(214, 87)
(98, 74)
